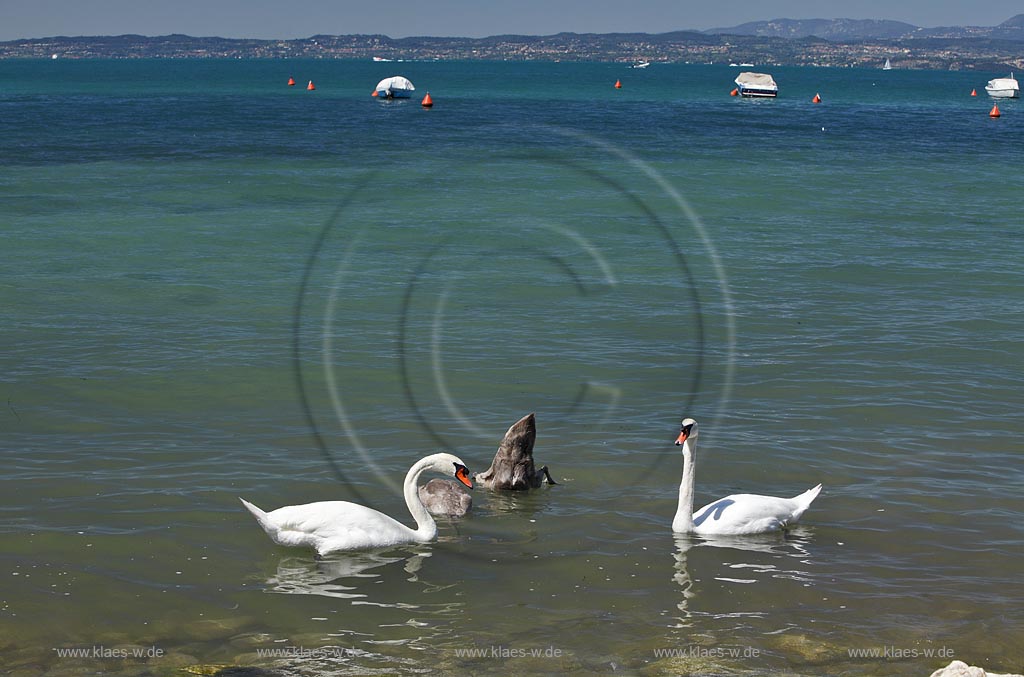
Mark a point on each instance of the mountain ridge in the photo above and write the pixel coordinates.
(853, 43)
(869, 29)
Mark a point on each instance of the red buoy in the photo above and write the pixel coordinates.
(734, 92)
(974, 92)
(994, 113)
(311, 86)
(427, 101)
(816, 99)
(618, 84)
(291, 82)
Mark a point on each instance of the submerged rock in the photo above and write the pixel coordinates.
(229, 671)
(799, 648)
(210, 629)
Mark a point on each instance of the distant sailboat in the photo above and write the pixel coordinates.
(887, 66)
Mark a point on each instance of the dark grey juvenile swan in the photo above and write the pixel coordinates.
(445, 497)
(512, 467)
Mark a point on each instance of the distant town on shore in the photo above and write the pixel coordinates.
(789, 42)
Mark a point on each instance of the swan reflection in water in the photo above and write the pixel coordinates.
(787, 558)
(325, 576)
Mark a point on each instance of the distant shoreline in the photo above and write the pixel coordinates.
(929, 53)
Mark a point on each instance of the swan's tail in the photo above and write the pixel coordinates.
(261, 517)
(804, 501)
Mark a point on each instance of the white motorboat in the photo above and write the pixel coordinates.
(1003, 88)
(395, 87)
(756, 85)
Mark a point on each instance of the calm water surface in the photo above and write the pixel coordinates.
(216, 286)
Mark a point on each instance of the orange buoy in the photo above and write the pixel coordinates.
(734, 92)
(291, 82)
(974, 92)
(374, 93)
(994, 113)
(311, 86)
(618, 84)
(427, 101)
(816, 99)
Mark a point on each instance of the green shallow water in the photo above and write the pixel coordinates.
(215, 286)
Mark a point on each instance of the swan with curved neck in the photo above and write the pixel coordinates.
(330, 526)
(736, 514)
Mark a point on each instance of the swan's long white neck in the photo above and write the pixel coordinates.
(683, 522)
(426, 528)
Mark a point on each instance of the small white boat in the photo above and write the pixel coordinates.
(381, 59)
(1003, 88)
(395, 87)
(887, 66)
(642, 64)
(756, 85)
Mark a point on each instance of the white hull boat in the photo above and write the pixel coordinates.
(1003, 88)
(395, 87)
(759, 85)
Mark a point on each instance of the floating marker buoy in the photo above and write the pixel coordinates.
(734, 92)
(291, 82)
(618, 84)
(994, 113)
(816, 99)
(974, 92)
(427, 101)
(311, 86)
(374, 93)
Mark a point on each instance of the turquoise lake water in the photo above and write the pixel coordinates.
(216, 286)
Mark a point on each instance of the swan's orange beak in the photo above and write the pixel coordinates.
(683, 434)
(462, 474)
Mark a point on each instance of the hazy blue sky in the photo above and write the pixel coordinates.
(471, 18)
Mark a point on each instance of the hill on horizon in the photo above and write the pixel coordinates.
(868, 29)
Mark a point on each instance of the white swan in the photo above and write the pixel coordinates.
(329, 526)
(736, 514)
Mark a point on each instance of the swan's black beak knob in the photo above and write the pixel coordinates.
(684, 432)
(462, 474)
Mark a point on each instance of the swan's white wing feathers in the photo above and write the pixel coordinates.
(746, 514)
(336, 525)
